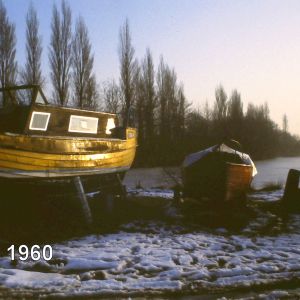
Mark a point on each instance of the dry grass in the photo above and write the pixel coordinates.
(269, 187)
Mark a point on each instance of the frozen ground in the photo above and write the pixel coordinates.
(169, 258)
(159, 258)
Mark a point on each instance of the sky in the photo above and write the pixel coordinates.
(252, 46)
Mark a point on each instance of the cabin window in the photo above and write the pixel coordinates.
(110, 125)
(83, 124)
(39, 121)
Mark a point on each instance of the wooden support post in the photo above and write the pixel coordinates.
(86, 211)
(109, 203)
(113, 193)
(291, 196)
(121, 186)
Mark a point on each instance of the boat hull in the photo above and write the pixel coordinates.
(52, 157)
(237, 181)
(218, 176)
(228, 183)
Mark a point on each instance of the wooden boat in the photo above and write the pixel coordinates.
(40, 140)
(42, 143)
(219, 173)
(57, 153)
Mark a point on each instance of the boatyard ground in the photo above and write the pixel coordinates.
(168, 257)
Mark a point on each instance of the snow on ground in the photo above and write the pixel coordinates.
(158, 257)
(157, 193)
(270, 196)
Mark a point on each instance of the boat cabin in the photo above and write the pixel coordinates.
(25, 110)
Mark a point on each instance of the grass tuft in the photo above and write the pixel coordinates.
(271, 186)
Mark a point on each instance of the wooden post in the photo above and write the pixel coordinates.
(86, 211)
(291, 195)
(121, 186)
(109, 203)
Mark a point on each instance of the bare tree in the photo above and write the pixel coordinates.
(162, 98)
(265, 111)
(234, 118)
(128, 69)
(92, 94)
(82, 66)
(112, 97)
(8, 64)
(60, 52)
(181, 111)
(220, 109)
(235, 106)
(168, 107)
(285, 123)
(150, 99)
(32, 73)
(139, 101)
(207, 111)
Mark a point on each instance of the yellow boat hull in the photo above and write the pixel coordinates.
(44, 156)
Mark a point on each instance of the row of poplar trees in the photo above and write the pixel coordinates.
(154, 99)
(70, 57)
(167, 126)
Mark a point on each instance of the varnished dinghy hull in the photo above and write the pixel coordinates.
(219, 174)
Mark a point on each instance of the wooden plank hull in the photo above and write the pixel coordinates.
(237, 182)
(42, 156)
(221, 182)
(50, 156)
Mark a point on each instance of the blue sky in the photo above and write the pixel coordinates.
(253, 46)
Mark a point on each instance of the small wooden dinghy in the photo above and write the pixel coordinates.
(219, 173)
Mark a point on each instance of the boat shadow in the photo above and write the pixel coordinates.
(39, 214)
